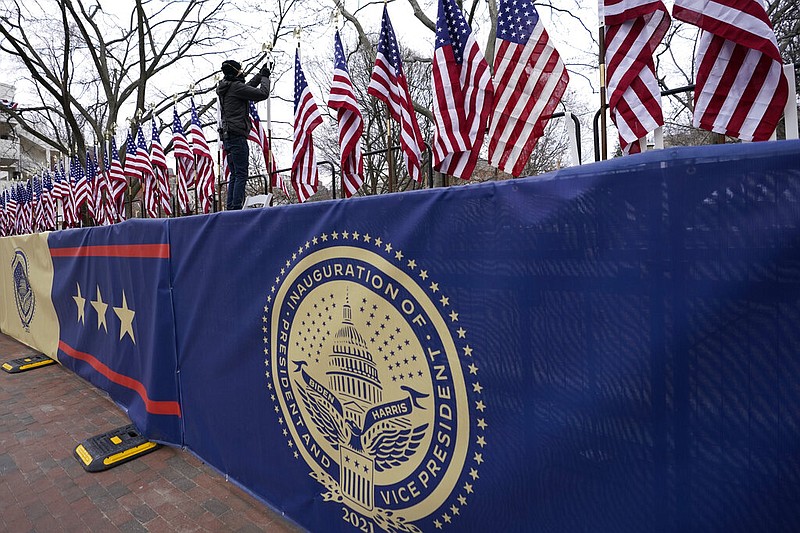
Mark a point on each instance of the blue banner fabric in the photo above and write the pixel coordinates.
(605, 348)
(111, 291)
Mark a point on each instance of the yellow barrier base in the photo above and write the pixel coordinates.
(108, 450)
(27, 363)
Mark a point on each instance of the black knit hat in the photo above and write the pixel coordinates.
(231, 68)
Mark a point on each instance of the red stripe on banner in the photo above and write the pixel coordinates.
(152, 406)
(151, 251)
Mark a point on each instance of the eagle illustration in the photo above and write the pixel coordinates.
(384, 436)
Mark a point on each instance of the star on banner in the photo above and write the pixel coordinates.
(80, 301)
(101, 307)
(125, 316)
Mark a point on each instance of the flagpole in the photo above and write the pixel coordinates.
(194, 164)
(389, 161)
(602, 40)
(337, 22)
(267, 48)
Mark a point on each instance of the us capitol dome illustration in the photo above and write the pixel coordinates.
(352, 373)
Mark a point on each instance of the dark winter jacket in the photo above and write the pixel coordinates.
(234, 96)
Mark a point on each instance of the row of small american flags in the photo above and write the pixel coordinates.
(740, 92)
(98, 187)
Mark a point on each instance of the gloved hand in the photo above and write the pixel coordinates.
(264, 72)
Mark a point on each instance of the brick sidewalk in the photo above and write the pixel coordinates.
(46, 412)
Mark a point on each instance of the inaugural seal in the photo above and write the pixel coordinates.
(23, 292)
(363, 361)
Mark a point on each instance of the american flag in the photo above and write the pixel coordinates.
(351, 123)
(104, 196)
(90, 178)
(740, 87)
(38, 204)
(204, 162)
(161, 171)
(118, 182)
(49, 200)
(184, 162)
(80, 194)
(634, 28)
(463, 94)
(3, 214)
(529, 81)
(62, 189)
(11, 211)
(259, 135)
(23, 209)
(306, 118)
(137, 161)
(388, 84)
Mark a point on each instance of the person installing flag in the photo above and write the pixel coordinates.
(234, 96)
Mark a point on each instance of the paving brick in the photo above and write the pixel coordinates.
(46, 412)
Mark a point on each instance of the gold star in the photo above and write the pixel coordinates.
(454, 510)
(473, 369)
(356, 235)
(468, 488)
(434, 287)
(388, 248)
(479, 405)
(447, 518)
(481, 441)
(437, 524)
(473, 474)
(324, 237)
(125, 316)
(423, 274)
(476, 387)
(367, 238)
(453, 317)
(335, 235)
(462, 333)
(468, 350)
(478, 458)
(462, 500)
(101, 307)
(378, 242)
(412, 264)
(300, 250)
(399, 256)
(308, 245)
(296, 455)
(445, 301)
(345, 234)
(482, 423)
(80, 301)
(315, 241)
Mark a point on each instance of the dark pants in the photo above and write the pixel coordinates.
(238, 161)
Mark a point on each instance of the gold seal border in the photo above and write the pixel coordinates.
(458, 498)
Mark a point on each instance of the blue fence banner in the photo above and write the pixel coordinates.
(610, 347)
(111, 291)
